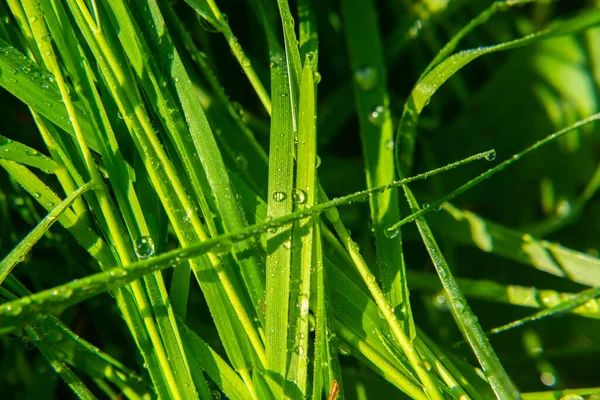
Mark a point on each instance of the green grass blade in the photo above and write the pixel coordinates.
(485, 175)
(303, 236)
(223, 25)
(19, 252)
(279, 204)
(14, 151)
(215, 367)
(469, 228)
(372, 105)
(464, 317)
(516, 295)
(429, 84)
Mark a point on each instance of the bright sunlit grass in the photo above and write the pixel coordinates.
(299, 200)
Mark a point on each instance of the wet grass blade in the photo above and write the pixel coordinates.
(373, 108)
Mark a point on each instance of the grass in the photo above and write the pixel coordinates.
(308, 199)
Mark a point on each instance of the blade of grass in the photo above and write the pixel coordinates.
(14, 151)
(372, 105)
(279, 203)
(223, 25)
(303, 237)
(464, 317)
(19, 252)
(429, 84)
(507, 294)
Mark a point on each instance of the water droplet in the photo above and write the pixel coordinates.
(13, 309)
(439, 301)
(304, 305)
(389, 144)
(287, 244)
(37, 195)
(344, 349)
(548, 379)
(366, 77)
(176, 79)
(245, 62)
(459, 307)
(317, 162)
(171, 56)
(390, 232)
(563, 208)
(491, 155)
(425, 205)
(279, 196)
(144, 247)
(377, 115)
(299, 350)
(299, 196)
(119, 115)
(317, 77)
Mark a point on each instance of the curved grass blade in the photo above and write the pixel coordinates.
(429, 84)
(464, 317)
(83, 233)
(19, 252)
(14, 151)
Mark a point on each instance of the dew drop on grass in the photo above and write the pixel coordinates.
(317, 162)
(287, 244)
(366, 77)
(245, 62)
(389, 144)
(279, 196)
(317, 77)
(460, 308)
(299, 196)
(376, 116)
(144, 247)
(13, 309)
(425, 205)
(491, 155)
(390, 232)
(344, 349)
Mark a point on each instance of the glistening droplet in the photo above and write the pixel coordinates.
(299, 196)
(144, 247)
(279, 196)
(376, 116)
(390, 232)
